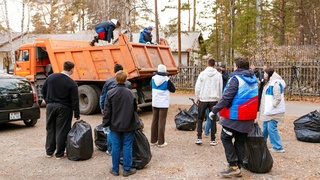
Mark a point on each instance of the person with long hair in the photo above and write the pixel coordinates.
(272, 108)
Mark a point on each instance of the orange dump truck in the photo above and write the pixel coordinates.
(93, 65)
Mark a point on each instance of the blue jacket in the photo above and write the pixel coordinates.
(226, 102)
(107, 26)
(145, 37)
(109, 84)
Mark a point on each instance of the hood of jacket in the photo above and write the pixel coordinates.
(210, 71)
(247, 75)
(114, 21)
(276, 77)
(145, 30)
(160, 78)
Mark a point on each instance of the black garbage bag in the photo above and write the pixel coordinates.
(257, 156)
(100, 138)
(193, 109)
(307, 127)
(141, 152)
(80, 142)
(185, 121)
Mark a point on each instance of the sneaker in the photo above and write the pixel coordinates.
(153, 144)
(114, 173)
(213, 143)
(96, 39)
(63, 156)
(198, 141)
(109, 153)
(206, 135)
(49, 155)
(231, 171)
(130, 172)
(277, 151)
(163, 145)
(92, 43)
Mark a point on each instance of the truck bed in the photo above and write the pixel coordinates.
(97, 62)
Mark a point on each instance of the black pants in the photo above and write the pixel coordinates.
(202, 106)
(58, 125)
(234, 150)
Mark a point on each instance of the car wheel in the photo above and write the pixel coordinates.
(30, 122)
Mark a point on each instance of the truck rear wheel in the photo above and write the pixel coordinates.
(88, 99)
(98, 92)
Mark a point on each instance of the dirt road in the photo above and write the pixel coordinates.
(23, 155)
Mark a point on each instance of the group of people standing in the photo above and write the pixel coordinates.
(236, 99)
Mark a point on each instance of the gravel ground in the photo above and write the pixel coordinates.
(23, 155)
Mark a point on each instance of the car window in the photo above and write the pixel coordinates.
(15, 86)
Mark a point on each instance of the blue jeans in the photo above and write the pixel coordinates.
(124, 140)
(270, 128)
(207, 125)
(107, 132)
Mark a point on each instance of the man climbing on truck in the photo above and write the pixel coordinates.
(146, 36)
(105, 31)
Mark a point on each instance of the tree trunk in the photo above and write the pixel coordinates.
(194, 15)
(156, 20)
(179, 32)
(282, 22)
(189, 18)
(231, 51)
(22, 22)
(12, 58)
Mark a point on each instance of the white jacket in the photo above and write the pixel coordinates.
(209, 85)
(160, 92)
(274, 95)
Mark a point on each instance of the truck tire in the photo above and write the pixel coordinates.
(30, 122)
(98, 92)
(88, 99)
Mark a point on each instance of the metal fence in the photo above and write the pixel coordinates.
(302, 78)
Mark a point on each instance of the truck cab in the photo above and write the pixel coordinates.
(32, 62)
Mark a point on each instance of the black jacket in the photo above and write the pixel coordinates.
(119, 109)
(109, 27)
(225, 77)
(60, 88)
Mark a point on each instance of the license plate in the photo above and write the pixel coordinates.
(15, 115)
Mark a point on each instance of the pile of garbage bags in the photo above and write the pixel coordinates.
(187, 120)
(307, 127)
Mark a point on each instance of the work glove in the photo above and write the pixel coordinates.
(211, 115)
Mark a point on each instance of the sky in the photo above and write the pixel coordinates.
(15, 11)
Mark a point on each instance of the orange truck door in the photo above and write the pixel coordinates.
(22, 65)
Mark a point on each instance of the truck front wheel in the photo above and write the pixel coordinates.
(88, 99)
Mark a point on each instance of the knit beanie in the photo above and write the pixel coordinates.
(162, 68)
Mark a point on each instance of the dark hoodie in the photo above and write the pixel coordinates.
(228, 96)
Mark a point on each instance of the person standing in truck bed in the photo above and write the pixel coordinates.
(105, 31)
